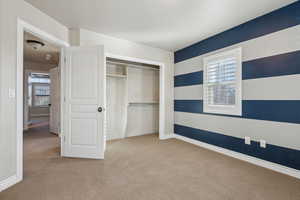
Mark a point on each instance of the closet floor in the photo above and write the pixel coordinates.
(143, 168)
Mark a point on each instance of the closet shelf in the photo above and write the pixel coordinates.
(132, 65)
(116, 75)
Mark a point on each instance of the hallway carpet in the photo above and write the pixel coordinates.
(143, 168)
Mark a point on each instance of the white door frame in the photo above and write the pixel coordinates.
(23, 26)
(162, 134)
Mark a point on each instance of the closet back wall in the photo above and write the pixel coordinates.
(132, 100)
(270, 87)
(143, 99)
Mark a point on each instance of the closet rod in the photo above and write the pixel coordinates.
(131, 65)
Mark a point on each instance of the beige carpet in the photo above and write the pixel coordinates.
(141, 168)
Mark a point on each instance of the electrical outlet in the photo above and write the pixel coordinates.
(247, 140)
(263, 143)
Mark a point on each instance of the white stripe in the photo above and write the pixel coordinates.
(276, 133)
(194, 92)
(188, 66)
(272, 88)
(284, 41)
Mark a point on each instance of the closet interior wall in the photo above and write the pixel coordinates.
(132, 100)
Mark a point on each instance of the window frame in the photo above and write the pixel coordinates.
(224, 109)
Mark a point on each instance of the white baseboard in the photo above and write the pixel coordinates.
(10, 181)
(165, 137)
(256, 161)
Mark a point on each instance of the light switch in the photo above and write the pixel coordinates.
(11, 93)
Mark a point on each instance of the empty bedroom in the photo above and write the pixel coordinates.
(149, 100)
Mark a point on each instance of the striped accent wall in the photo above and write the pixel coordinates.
(270, 89)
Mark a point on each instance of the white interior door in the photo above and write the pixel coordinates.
(55, 101)
(84, 102)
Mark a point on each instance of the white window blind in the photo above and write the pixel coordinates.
(222, 83)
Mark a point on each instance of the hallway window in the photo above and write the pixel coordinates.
(39, 90)
(41, 94)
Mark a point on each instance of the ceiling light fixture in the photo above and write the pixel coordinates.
(35, 44)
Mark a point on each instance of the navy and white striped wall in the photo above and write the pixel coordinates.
(270, 89)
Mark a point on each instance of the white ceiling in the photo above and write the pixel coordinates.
(39, 55)
(167, 24)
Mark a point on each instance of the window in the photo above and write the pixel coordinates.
(41, 94)
(222, 83)
(39, 90)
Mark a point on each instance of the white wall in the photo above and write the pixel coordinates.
(10, 10)
(38, 112)
(130, 49)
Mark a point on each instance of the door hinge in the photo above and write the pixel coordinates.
(65, 59)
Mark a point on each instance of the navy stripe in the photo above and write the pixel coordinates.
(276, 154)
(273, 110)
(192, 106)
(270, 110)
(275, 21)
(194, 78)
(278, 65)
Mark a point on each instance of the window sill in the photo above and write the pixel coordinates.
(237, 113)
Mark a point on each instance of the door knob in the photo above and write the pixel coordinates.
(100, 109)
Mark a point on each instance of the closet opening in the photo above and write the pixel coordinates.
(132, 99)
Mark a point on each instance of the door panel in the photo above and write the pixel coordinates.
(86, 70)
(85, 92)
(79, 136)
